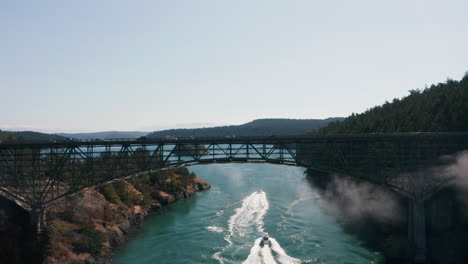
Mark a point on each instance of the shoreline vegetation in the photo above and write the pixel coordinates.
(87, 227)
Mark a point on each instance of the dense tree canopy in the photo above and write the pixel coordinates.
(439, 108)
(6, 137)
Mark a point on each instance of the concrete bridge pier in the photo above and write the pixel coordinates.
(38, 218)
(417, 230)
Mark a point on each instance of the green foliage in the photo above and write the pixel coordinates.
(170, 181)
(90, 241)
(111, 194)
(69, 216)
(109, 216)
(57, 250)
(143, 184)
(118, 193)
(7, 137)
(30, 136)
(129, 198)
(81, 235)
(439, 108)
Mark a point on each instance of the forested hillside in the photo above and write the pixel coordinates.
(29, 136)
(259, 127)
(6, 137)
(439, 108)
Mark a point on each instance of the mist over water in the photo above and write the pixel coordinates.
(225, 224)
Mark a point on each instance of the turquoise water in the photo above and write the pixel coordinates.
(225, 223)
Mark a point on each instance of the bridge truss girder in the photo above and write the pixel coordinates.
(35, 175)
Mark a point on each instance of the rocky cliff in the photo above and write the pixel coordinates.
(87, 227)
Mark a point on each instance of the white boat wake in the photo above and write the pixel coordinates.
(248, 220)
(216, 229)
(269, 255)
(254, 207)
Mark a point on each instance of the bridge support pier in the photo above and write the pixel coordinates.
(38, 219)
(417, 230)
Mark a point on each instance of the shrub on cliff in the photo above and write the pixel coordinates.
(111, 194)
(127, 194)
(90, 239)
(80, 237)
(171, 181)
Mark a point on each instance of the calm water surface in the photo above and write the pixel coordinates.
(225, 223)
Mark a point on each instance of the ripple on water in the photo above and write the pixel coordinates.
(216, 229)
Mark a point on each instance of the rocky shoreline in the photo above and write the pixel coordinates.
(87, 228)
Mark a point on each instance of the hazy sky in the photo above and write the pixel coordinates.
(133, 65)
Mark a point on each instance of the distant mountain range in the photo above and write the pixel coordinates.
(259, 127)
(104, 135)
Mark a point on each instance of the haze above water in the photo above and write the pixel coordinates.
(224, 224)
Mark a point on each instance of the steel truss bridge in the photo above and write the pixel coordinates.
(37, 174)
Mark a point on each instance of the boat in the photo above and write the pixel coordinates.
(265, 240)
(259, 190)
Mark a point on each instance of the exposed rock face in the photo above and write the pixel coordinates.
(202, 184)
(85, 228)
(165, 198)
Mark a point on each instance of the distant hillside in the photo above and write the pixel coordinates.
(6, 137)
(259, 127)
(439, 108)
(104, 135)
(29, 136)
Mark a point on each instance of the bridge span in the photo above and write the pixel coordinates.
(35, 175)
(40, 173)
